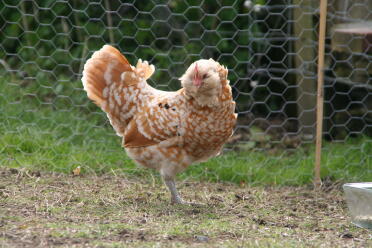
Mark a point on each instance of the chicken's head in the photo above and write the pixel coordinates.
(203, 81)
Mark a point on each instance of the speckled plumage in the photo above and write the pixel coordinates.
(166, 131)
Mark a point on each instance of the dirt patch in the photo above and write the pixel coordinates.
(40, 209)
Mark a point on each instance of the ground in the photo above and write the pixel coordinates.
(51, 209)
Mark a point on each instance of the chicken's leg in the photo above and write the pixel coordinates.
(175, 197)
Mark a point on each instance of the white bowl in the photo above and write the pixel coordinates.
(359, 202)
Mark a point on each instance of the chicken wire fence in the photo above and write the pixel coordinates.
(269, 47)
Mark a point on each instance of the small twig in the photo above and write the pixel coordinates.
(153, 180)
(113, 172)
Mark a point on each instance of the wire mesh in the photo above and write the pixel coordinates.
(270, 48)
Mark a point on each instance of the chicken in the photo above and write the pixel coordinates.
(166, 131)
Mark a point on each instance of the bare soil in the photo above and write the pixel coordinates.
(58, 210)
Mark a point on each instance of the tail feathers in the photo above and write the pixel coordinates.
(104, 69)
(144, 69)
(106, 78)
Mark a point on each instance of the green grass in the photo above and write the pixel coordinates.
(349, 161)
(119, 211)
(55, 128)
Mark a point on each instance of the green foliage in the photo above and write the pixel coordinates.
(46, 40)
(57, 37)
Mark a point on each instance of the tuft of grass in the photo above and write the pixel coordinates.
(54, 127)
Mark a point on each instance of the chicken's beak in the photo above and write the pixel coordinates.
(197, 81)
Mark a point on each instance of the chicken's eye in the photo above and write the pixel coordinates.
(205, 76)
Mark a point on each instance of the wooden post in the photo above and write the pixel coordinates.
(305, 50)
(320, 92)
